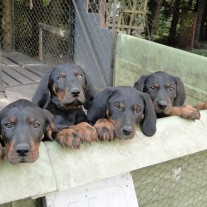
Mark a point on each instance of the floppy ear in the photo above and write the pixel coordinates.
(50, 126)
(90, 92)
(150, 118)
(42, 94)
(2, 153)
(97, 109)
(180, 92)
(139, 85)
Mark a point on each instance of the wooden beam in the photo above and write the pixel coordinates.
(54, 30)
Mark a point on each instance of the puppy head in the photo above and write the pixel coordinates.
(67, 86)
(125, 107)
(164, 90)
(22, 127)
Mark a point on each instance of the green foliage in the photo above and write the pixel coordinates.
(46, 2)
(166, 15)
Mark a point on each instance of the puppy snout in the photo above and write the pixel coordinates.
(75, 92)
(162, 104)
(127, 130)
(22, 149)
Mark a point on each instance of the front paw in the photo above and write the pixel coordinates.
(189, 112)
(105, 130)
(86, 132)
(201, 106)
(69, 138)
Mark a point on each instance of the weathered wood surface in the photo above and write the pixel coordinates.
(18, 69)
(20, 59)
(19, 77)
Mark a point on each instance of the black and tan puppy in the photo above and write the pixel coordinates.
(167, 94)
(116, 111)
(64, 91)
(22, 127)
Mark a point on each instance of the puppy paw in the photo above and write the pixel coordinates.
(189, 112)
(104, 129)
(69, 138)
(86, 132)
(201, 106)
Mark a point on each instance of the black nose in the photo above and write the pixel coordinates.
(162, 104)
(22, 149)
(75, 92)
(127, 130)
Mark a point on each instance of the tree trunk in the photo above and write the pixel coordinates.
(175, 19)
(201, 6)
(155, 7)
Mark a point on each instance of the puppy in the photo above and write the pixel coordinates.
(22, 127)
(117, 110)
(167, 94)
(64, 91)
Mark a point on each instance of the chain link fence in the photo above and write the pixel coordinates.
(181, 182)
(27, 202)
(163, 21)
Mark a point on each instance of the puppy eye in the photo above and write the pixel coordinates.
(36, 125)
(79, 75)
(60, 78)
(8, 125)
(138, 110)
(117, 106)
(171, 88)
(152, 87)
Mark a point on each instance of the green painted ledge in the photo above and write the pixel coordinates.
(59, 168)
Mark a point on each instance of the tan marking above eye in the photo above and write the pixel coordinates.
(13, 119)
(31, 119)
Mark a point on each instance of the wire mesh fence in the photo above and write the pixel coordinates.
(162, 21)
(180, 182)
(27, 202)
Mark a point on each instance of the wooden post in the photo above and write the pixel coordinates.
(7, 24)
(40, 42)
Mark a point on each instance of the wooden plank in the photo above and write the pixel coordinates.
(55, 30)
(7, 62)
(26, 73)
(7, 80)
(20, 58)
(15, 75)
(39, 70)
(123, 26)
(21, 91)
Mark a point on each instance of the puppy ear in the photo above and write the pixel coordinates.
(150, 118)
(50, 126)
(98, 106)
(42, 94)
(180, 92)
(2, 153)
(90, 92)
(139, 85)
